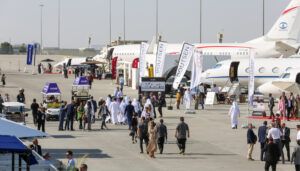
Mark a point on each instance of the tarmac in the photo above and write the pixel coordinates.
(213, 145)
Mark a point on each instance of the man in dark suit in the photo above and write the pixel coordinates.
(41, 119)
(271, 105)
(262, 133)
(36, 147)
(70, 116)
(272, 155)
(251, 140)
(289, 106)
(285, 139)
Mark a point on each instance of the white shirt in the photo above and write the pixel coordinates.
(275, 133)
(298, 135)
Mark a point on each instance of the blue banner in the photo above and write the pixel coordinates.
(29, 54)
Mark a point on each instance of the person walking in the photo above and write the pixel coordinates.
(129, 111)
(178, 99)
(114, 110)
(3, 80)
(290, 106)
(272, 155)
(262, 137)
(282, 106)
(1, 103)
(188, 99)
(143, 133)
(41, 118)
(181, 134)
(134, 128)
(276, 134)
(160, 103)
(34, 109)
(285, 139)
(234, 113)
(251, 140)
(121, 83)
(70, 111)
(152, 145)
(62, 115)
(162, 135)
(80, 114)
(296, 156)
(71, 161)
(36, 147)
(89, 113)
(21, 96)
(103, 110)
(137, 107)
(271, 105)
(202, 95)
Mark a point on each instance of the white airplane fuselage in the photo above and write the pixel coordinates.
(265, 70)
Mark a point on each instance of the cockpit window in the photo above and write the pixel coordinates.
(217, 66)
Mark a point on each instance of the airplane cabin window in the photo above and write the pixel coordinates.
(275, 70)
(262, 70)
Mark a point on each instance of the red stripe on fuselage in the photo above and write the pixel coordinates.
(289, 10)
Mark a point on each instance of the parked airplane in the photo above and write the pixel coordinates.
(231, 71)
(288, 82)
(281, 40)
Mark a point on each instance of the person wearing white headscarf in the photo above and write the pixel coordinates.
(114, 109)
(108, 101)
(149, 104)
(234, 113)
(127, 99)
(121, 116)
(137, 107)
(188, 99)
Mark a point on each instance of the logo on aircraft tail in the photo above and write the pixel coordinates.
(283, 25)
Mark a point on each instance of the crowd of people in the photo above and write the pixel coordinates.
(273, 139)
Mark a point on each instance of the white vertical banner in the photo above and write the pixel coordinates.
(185, 57)
(142, 61)
(160, 59)
(251, 77)
(197, 67)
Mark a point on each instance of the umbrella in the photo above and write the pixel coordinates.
(47, 60)
(12, 128)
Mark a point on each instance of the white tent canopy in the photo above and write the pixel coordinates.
(8, 127)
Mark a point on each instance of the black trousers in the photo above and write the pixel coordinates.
(267, 166)
(80, 123)
(181, 144)
(160, 143)
(262, 152)
(289, 110)
(146, 140)
(160, 110)
(271, 111)
(103, 124)
(41, 124)
(34, 115)
(297, 167)
(286, 144)
(69, 123)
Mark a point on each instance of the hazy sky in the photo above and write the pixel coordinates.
(240, 20)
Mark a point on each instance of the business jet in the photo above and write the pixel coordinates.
(231, 71)
(287, 82)
(281, 40)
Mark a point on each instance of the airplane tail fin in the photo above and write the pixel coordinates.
(287, 27)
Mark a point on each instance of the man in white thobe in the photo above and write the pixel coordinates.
(188, 99)
(114, 109)
(234, 113)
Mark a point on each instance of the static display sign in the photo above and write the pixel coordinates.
(154, 84)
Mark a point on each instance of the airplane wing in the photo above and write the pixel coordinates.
(285, 49)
